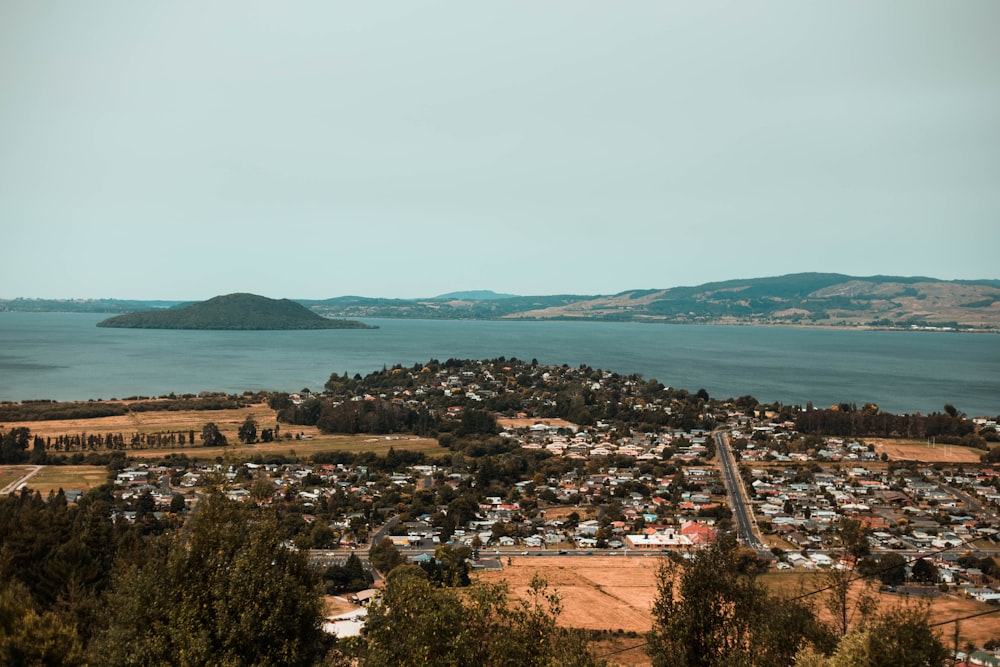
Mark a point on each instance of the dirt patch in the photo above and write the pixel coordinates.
(917, 450)
(334, 605)
(597, 592)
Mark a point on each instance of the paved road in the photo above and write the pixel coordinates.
(746, 529)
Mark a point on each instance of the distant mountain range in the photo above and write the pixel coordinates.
(803, 299)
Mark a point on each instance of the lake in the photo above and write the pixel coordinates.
(64, 356)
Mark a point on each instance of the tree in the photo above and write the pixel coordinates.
(248, 430)
(211, 436)
(711, 611)
(413, 622)
(416, 623)
(30, 637)
(449, 567)
(924, 571)
(177, 503)
(900, 636)
(848, 595)
(892, 569)
(226, 592)
(854, 538)
(385, 557)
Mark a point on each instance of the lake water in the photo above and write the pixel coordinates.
(65, 356)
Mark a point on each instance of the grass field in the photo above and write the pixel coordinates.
(919, 450)
(53, 478)
(310, 441)
(616, 593)
(10, 474)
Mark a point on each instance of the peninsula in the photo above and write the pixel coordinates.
(232, 312)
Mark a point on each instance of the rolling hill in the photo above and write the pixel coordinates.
(803, 299)
(232, 312)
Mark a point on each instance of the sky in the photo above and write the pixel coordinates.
(409, 148)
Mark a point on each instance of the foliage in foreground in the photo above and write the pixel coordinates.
(416, 623)
(225, 593)
(712, 612)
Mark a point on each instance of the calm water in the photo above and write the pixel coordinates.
(66, 357)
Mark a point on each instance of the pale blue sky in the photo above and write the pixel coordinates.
(180, 150)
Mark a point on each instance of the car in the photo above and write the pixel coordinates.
(524, 553)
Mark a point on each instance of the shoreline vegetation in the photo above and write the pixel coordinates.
(811, 300)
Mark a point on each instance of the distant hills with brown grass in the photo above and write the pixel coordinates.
(802, 299)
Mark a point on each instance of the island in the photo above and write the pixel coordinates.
(234, 312)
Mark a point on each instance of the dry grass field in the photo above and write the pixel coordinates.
(616, 593)
(919, 450)
(53, 478)
(11, 474)
(943, 607)
(597, 592)
(308, 439)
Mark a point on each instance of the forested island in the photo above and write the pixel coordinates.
(232, 312)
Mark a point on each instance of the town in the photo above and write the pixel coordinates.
(579, 463)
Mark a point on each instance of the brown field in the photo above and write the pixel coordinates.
(11, 474)
(918, 450)
(228, 421)
(597, 592)
(943, 607)
(81, 478)
(616, 593)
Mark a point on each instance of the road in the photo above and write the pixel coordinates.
(746, 529)
(14, 486)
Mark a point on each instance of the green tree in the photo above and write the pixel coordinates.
(711, 610)
(385, 557)
(901, 636)
(449, 567)
(924, 571)
(30, 637)
(248, 430)
(211, 436)
(416, 623)
(892, 569)
(226, 592)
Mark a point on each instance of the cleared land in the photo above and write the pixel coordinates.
(598, 592)
(307, 440)
(81, 478)
(919, 450)
(616, 593)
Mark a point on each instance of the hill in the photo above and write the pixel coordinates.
(473, 295)
(802, 299)
(232, 312)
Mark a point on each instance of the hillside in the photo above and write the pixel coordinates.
(804, 299)
(231, 312)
